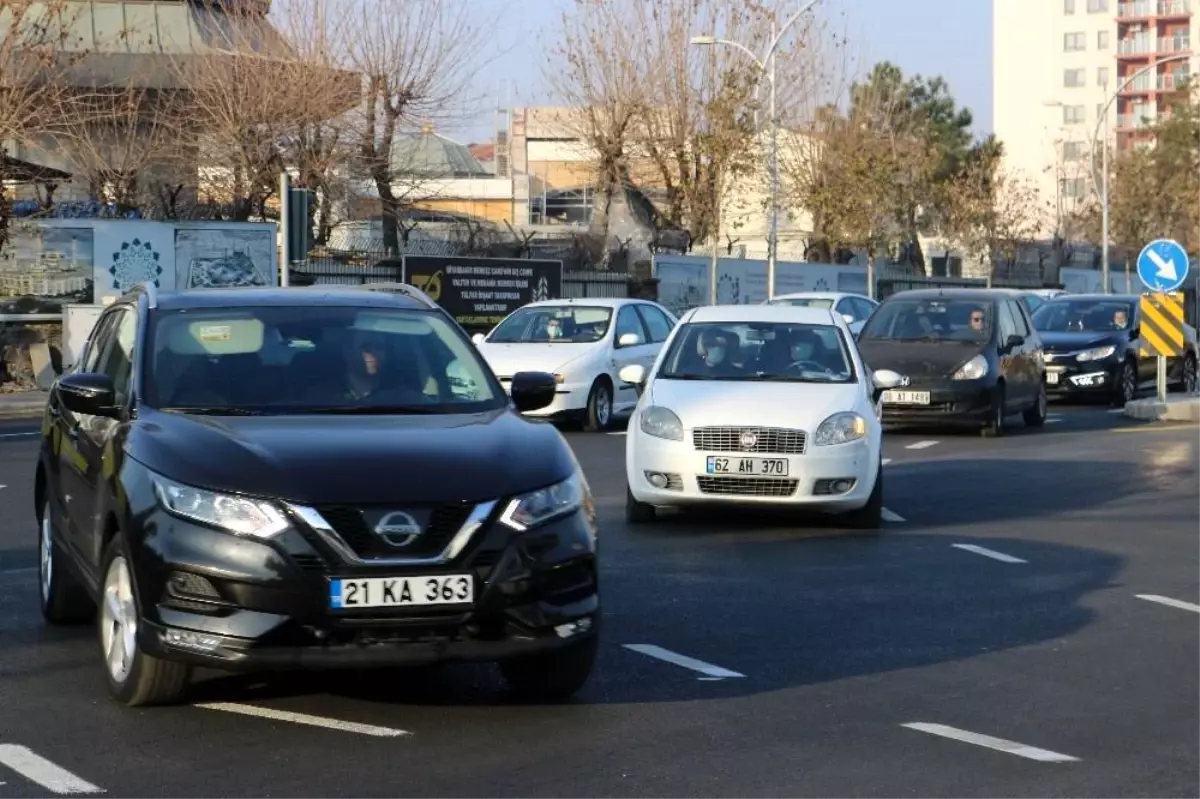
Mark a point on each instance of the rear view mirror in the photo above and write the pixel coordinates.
(849, 318)
(89, 393)
(477, 339)
(1014, 341)
(885, 379)
(636, 375)
(629, 340)
(532, 391)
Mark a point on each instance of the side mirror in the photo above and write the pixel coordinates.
(849, 318)
(477, 339)
(885, 379)
(1013, 341)
(634, 374)
(532, 391)
(629, 340)
(89, 393)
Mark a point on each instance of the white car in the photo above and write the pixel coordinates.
(854, 308)
(786, 414)
(584, 343)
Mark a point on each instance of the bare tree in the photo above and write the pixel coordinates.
(991, 213)
(417, 61)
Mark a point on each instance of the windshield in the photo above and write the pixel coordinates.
(762, 351)
(811, 302)
(935, 319)
(307, 358)
(1033, 302)
(1065, 316)
(543, 324)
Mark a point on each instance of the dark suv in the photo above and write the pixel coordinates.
(248, 479)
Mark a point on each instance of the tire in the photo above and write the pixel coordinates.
(869, 516)
(138, 679)
(637, 512)
(994, 427)
(1126, 387)
(599, 412)
(552, 676)
(63, 599)
(1036, 416)
(1188, 380)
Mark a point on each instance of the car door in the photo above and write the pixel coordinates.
(96, 432)
(1016, 382)
(658, 325)
(1031, 363)
(629, 321)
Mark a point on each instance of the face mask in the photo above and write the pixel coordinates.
(555, 331)
(716, 354)
(802, 352)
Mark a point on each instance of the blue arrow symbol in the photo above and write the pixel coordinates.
(1166, 269)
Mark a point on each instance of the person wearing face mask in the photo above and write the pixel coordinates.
(714, 346)
(803, 349)
(553, 328)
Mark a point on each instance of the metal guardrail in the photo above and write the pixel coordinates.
(30, 317)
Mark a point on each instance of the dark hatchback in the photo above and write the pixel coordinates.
(1092, 349)
(970, 357)
(254, 479)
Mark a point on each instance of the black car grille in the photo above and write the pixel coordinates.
(748, 486)
(352, 527)
(775, 440)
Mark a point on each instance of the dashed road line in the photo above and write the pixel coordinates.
(999, 744)
(891, 516)
(709, 671)
(35, 768)
(886, 461)
(23, 570)
(18, 435)
(988, 553)
(304, 718)
(617, 433)
(921, 445)
(1166, 600)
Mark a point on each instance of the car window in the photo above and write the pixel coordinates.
(306, 358)
(541, 324)
(759, 351)
(1008, 325)
(864, 308)
(809, 302)
(933, 319)
(629, 322)
(117, 360)
(656, 322)
(1075, 315)
(1018, 315)
(94, 347)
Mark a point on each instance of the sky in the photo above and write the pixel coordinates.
(951, 38)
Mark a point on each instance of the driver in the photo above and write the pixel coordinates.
(1120, 319)
(804, 347)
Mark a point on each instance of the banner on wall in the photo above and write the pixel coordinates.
(683, 280)
(480, 292)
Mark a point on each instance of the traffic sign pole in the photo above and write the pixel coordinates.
(1162, 379)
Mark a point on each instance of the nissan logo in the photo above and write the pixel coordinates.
(398, 528)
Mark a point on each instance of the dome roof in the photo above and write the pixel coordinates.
(426, 154)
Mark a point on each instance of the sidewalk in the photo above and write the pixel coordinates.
(22, 404)
(1178, 408)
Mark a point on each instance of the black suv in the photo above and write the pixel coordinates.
(248, 479)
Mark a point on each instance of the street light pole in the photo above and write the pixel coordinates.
(1106, 281)
(768, 71)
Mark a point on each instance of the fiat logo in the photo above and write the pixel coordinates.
(749, 439)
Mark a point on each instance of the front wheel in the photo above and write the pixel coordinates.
(1188, 379)
(1036, 416)
(996, 415)
(64, 600)
(637, 512)
(552, 676)
(599, 411)
(869, 516)
(134, 677)
(1126, 388)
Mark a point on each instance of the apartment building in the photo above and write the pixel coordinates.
(1055, 66)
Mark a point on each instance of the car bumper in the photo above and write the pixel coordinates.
(966, 402)
(808, 481)
(1075, 379)
(250, 605)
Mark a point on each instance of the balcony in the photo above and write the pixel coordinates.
(1174, 8)
(1139, 9)
(1139, 46)
(1141, 85)
(1173, 81)
(1138, 120)
(1174, 44)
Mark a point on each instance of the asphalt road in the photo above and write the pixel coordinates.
(1040, 590)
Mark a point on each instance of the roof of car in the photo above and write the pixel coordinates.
(1097, 297)
(274, 296)
(954, 294)
(803, 295)
(604, 302)
(801, 314)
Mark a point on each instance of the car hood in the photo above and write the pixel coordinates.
(717, 403)
(508, 359)
(330, 459)
(918, 358)
(1076, 340)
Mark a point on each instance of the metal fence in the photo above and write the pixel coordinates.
(889, 285)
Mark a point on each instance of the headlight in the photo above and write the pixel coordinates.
(973, 369)
(661, 422)
(536, 507)
(241, 515)
(841, 428)
(1098, 354)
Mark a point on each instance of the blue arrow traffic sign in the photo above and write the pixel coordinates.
(1162, 265)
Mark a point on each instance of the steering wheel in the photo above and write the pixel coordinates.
(802, 364)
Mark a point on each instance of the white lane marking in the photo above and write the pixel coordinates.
(617, 433)
(3, 486)
(707, 669)
(886, 461)
(1166, 600)
(921, 445)
(999, 744)
(989, 553)
(18, 435)
(36, 768)
(1053, 421)
(891, 516)
(27, 570)
(304, 718)
(1116, 410)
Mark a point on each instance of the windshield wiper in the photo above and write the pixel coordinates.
(215, 410)
(690, 377)
(366, 410)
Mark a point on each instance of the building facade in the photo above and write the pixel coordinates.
(1055, 66)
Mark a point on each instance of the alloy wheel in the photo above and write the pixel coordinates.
(1189, 375)
(46, 556)
(1128, 383)
(119, 621)
(603, 406)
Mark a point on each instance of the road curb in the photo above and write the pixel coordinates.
(1176, 409)
(22, 407)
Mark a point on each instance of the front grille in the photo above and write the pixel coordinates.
(748, 486)
(309, 563)
(350, 524)
(775, 440)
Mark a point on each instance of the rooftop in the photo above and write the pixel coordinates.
(427, 154)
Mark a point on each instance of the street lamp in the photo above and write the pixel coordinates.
(768, 71)
(1100, 188)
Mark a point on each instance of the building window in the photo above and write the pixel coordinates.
(1073, 151)
(1102, 76)
(1075, 187)
(1068, 6)
(1074, 78)
(1097, 6)
(1073, 114)
(1101, 40)
(1074, 41)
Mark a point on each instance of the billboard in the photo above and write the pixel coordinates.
(480, 292)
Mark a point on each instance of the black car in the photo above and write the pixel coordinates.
(970, 357)
(261, 479)
(1092, 348)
